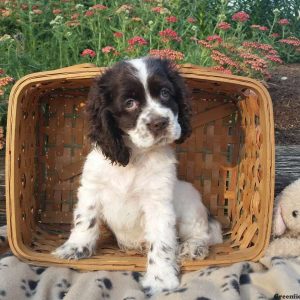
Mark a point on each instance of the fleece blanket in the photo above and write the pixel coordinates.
(272, 278)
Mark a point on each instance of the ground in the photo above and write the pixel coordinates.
(284, 87)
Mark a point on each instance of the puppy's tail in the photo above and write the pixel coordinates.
(214, 230)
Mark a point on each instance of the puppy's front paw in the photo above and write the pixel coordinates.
(163, 279)
(193, 249)
(73, 251)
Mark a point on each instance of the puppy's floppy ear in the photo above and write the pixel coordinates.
(182, 97)
(104, 131)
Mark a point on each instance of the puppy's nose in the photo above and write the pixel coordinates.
(158, 124)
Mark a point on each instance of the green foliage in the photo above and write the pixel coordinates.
(43, 35)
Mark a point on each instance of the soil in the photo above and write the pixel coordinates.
(284, 88)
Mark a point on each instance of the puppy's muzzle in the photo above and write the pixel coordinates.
(158, 125)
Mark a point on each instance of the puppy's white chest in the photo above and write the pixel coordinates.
(121, 205)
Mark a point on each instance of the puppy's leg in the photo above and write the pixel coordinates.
(85, 233)
(162, 270)
(196, 231)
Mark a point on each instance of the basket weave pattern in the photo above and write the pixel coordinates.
(229, 158)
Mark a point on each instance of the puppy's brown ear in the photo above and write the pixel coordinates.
(104, 131)
(182, 97)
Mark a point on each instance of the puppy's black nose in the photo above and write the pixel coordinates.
(158, 124)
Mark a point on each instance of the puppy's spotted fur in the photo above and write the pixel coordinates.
(136, 109)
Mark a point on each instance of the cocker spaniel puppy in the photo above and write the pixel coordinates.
(136, 109)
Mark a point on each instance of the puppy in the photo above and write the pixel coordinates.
(136, 109)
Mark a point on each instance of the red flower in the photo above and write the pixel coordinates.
(263, 28)
(89, 13)
(169, 35)
(99, 7)
(137, 40)
(75, 16)
(57, 11)
(108, 49)
(2, 71)
(214, 37)
(167, 53)
(283, 22)
(171, 19)
(118, 35)
(224, 26)
(88, 52)
(240, 16)
(191, 20)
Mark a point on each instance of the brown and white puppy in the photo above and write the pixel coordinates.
(136, 109)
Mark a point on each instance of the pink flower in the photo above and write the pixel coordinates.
(240, 16)
(291, 41)
(108, 49)
(283, 22)
(254, 26)
(2, 71)
(205, 44)
(5, 81)
(274, 58)
(56, 11)
(169, 35)
(273, 51)
(222, 69)
(223, 59)
(89, 13)
(214, 37)
(191, 20)
(263, 28)
(118, 35)
(88, 52)
(275, 35)
(157, 9)
(224, 26)
(256, 45)
(171, 19)
(99, 7)
(73, 23)
(137, 40)
(167, 53)
(37, 11)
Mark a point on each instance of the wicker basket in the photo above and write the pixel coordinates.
(229, 158)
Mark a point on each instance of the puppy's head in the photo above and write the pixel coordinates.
(143, 101)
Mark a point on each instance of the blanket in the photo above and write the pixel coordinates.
(271, 278)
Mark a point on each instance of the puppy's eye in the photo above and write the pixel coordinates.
(131, 104)
(295, 213)
(164, 94)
